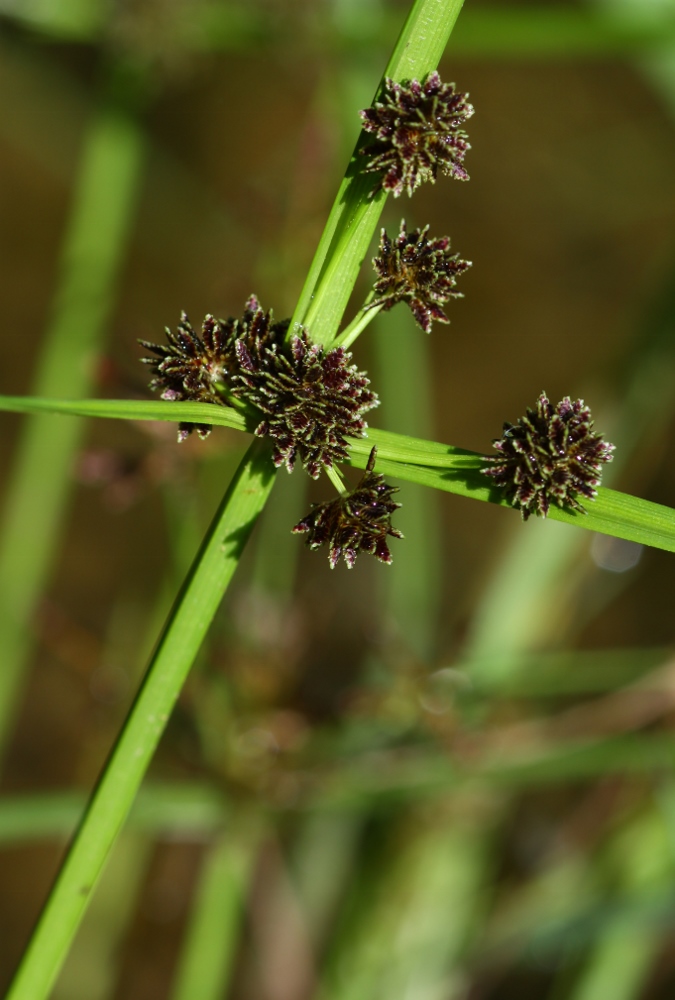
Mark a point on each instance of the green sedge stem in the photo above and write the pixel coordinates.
(336, 479)
(109, 805)
(357, 326)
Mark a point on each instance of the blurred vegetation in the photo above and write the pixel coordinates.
(451, 778)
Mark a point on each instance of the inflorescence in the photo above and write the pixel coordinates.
(551, 455)
(356, 521)
(417, 131)
(311, 400)
(419, 271)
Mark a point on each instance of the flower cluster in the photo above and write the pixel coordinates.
(417, 132)
(551, 455)
(311, 400)
(354, 522)
(419, 271)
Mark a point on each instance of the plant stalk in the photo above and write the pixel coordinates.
(183, 635)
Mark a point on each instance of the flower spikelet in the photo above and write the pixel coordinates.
(417, 132)
(312, 399)
(354, 522)
(419, 271)
(551, 455)
(191, 367)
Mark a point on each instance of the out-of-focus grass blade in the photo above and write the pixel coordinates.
(409, 939)
(412, 586)
(427, 773)
(323, 853)
(277, 548)
(75, 20)
(178, 646)
(213, 931)
(524, 32)
(90, 972)
(642, 861)
(178, 810)
(511, 31)
(560, 672)
(95, 243)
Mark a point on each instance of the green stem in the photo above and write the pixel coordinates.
(336, 479)
(185, 630)
(357, 326)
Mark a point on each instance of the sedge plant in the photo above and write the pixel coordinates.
(292, 384)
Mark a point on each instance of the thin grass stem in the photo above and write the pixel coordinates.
(356, 327)
(178, 646)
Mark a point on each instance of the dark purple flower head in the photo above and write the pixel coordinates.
(552, 455)
(419, 271)
(193, 367)
(354, 522)
(417, 132)
(311, 400)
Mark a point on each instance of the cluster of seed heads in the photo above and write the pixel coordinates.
(309, 400)
(551, 455)
(416, 130)
(356, 521)
(419, 271)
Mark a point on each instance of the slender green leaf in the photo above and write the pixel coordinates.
(128, 409)
(612, 513)
(183, 635)
(440, 466)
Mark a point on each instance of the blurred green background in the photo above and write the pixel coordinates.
(451, 779)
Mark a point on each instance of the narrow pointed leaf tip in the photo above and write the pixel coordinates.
(354, 522)
(309, 400)
(419, 271)
(417, 131)
(551, 455)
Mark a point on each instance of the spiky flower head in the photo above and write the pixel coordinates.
(419, 271)
(354, 522)
(191, 367)
(417, 132)
(311, 399)
(551, 455)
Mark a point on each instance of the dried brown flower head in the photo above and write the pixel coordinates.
(551, 455)
(354, 522)
(311, 399)
(417, 132)
(419, 271)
